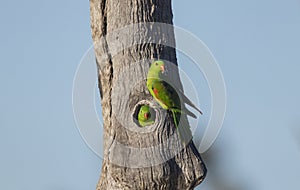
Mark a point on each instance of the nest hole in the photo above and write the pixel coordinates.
(137, 109)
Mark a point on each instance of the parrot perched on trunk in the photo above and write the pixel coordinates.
(166, 96)
(146, 116)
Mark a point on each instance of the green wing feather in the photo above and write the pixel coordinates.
(168, 98)
(165, 95)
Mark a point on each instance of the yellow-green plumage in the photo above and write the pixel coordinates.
(146, 116)
(166, 96)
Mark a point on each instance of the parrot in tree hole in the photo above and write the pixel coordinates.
(146, 116)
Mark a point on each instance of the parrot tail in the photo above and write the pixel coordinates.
(186, 111)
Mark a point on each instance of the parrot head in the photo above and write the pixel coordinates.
(158, 66)
(144, 113)
(146, 116)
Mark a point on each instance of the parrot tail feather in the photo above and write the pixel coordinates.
(186, 111)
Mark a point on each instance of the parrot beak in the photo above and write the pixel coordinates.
(146, 115)
(162, 68)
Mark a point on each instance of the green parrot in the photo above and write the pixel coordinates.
(166, 96)
(146, 116)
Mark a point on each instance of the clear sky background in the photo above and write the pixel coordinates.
(256, 44)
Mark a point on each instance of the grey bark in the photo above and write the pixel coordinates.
(138, 158)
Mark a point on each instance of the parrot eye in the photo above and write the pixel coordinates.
(156, 63)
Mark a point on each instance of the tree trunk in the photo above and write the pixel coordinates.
(127, 39)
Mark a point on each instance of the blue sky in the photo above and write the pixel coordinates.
(256, 44)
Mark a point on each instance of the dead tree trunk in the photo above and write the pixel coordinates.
(126, 39)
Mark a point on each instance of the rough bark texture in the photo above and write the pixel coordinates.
(138, 158)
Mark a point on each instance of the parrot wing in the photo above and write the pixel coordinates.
(169, 99)
(163, 94)
(178, 97)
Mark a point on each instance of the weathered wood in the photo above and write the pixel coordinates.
(138, 158)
